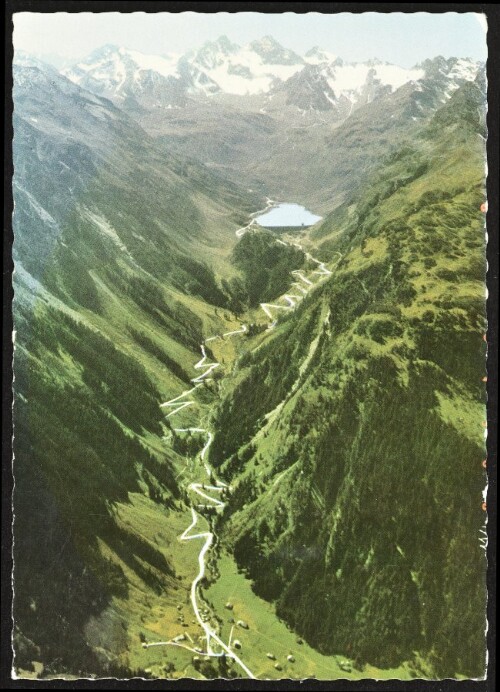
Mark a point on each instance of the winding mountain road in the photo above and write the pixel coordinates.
(208, 537)
(180, 402)
(241, 231)
(176, 404)
(289, 298)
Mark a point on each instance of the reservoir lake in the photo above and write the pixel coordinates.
(287, 215)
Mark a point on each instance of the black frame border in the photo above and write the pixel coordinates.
(492, 219)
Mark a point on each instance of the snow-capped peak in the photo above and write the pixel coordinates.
(464, 69)
(351, 80)
(166, 65)
(272, 53)
(252, 69)
(116, 60)
(213, 53)
(118, 72)
(317, 55)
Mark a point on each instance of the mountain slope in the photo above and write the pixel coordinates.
(111, 300)
(357, 469)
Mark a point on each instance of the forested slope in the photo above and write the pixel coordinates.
(354, 438)
(109, 310)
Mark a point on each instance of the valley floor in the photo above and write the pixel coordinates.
(224, 629)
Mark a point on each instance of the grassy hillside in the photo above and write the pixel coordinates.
(111, 302)
(357, 503)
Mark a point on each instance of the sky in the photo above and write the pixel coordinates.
(402, 39)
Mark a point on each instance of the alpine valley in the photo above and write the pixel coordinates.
(245, 451)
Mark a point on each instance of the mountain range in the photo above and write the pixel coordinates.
(261, 114)
(317, 80)
(347, 433)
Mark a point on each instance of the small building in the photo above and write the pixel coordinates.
(345, 666)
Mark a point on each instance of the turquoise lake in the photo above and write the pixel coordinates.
(289, 215)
